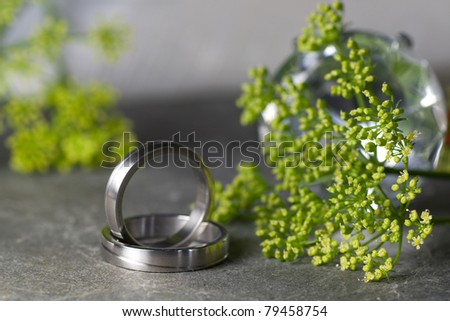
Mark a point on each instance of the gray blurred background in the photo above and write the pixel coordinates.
(188, 58)
(202, 48)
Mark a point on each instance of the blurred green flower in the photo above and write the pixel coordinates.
(48, 40)
(110, 38)
(55, 122)
(8, 10)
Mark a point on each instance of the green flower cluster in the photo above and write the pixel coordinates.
(356, 70)
(354, 220)
(239, 197)
(256, 96)
(64, 129)
(325, 28)
(111, 38)
(8, 11)
(421, 227)
(53, 122)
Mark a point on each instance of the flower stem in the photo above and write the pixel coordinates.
(428, 174)
(399, 248)
(372, 239)
(441, 220)
(360, 100)
(310, 243)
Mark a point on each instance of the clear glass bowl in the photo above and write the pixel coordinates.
(413, 81)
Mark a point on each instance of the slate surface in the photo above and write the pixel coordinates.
(50, 227)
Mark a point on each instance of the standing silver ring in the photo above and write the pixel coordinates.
(122, 174)
(208, 248)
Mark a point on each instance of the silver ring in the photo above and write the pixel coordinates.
(122, 174)
(207, 249)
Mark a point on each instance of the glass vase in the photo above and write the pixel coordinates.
(413, 81)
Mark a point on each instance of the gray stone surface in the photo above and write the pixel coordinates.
(50, 227)
(50, 224)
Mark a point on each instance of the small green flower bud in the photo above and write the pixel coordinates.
(370, 147)
(338, 5)
(386, 89)
(427, 230)
(426, 217)
(382, 252)
(395, 187)
(316, 260)
(413, 216)
(413, 182)
(410, 235)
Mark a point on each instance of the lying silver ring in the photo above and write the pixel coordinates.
(124, 171)
(210, 247)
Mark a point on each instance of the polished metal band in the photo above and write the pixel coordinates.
(122, 174)
(208, 248)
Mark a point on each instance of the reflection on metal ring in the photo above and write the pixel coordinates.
(122, 174)
(209, 247)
